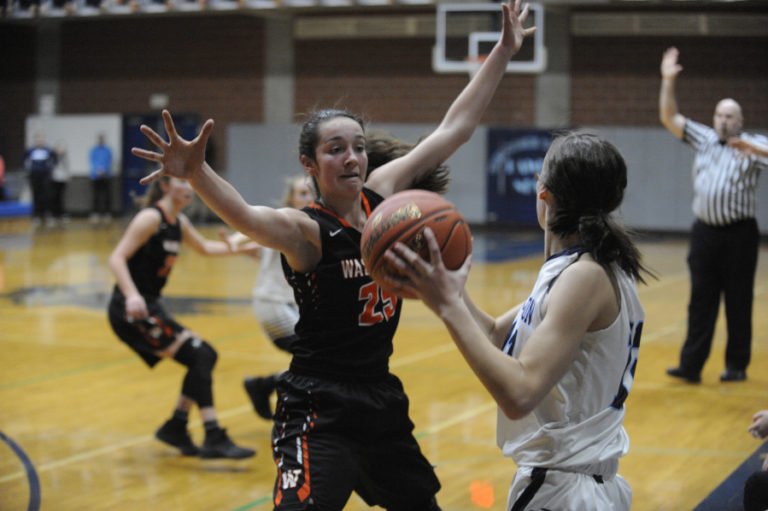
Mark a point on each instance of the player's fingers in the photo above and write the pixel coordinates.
(153, 136)
(205, 133)
(398, 284)
(523, 16)
(434, 249)
(409, 262)
(152, 177)
(147, 155)
(170, 128)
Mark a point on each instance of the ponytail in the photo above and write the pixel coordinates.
(607, 241)
(587, 176)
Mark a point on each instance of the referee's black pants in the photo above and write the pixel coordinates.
(722, 261)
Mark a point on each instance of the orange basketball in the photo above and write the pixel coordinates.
(403, 217)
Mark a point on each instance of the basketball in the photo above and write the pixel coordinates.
(403, 217)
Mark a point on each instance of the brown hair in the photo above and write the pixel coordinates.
(154, 192)
(587, 176)
(383, 147)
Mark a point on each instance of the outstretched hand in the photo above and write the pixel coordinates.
(759, 427)
(178, 157)
(669, 66)
(239, 243)
(431, 281)
(513, 33)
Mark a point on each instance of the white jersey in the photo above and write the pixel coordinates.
(577, 427)
(273, 302)
(271, 285)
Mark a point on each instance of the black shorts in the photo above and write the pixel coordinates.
(332, 438)
(144, 336)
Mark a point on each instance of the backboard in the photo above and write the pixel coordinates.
(465, 33)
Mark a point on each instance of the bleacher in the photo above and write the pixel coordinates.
(30, 9)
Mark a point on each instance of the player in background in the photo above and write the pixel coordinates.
(273, 302)
(142, 262)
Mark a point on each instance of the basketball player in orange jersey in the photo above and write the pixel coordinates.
(142, 262)
(341, 421)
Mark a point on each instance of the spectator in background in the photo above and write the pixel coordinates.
(39, 161)
(101, 172)
(59, 179)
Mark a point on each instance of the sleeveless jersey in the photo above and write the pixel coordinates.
(151, 264)
(578, 424)
(271, 285)
(346, 322)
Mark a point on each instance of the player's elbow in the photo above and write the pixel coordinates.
(665, 117)
(516, 407)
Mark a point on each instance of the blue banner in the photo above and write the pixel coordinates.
(514, 158)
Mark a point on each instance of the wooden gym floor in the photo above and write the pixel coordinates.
(78, 410)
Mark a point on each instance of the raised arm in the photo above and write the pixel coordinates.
(669, 115)
(286, 230)
(464, 114)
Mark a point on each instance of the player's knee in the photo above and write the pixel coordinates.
(197, 354)
(200, 358)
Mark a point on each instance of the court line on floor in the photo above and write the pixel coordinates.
(29, 470)
(102, 365)
(222, 415)
(457, 419)
(399, 362)
(117, 446)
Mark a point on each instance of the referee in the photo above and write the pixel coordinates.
(724, 241)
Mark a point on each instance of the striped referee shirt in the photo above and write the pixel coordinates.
(724, 179)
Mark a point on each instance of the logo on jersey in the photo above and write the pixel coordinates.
(171, 245)
(291, 478)
(353, 268)
(334, 233)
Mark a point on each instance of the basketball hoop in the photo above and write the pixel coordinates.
(467, 32)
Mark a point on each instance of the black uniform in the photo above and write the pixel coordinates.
(150, 266)
(341, 422)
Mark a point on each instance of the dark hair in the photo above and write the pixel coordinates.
(382, 147)
(587, 176)
(310, 132)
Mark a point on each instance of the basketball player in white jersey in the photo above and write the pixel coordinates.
(561, 364)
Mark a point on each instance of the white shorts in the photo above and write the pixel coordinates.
(567, 491)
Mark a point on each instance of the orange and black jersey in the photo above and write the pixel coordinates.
(151, 264)
(346, 321)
